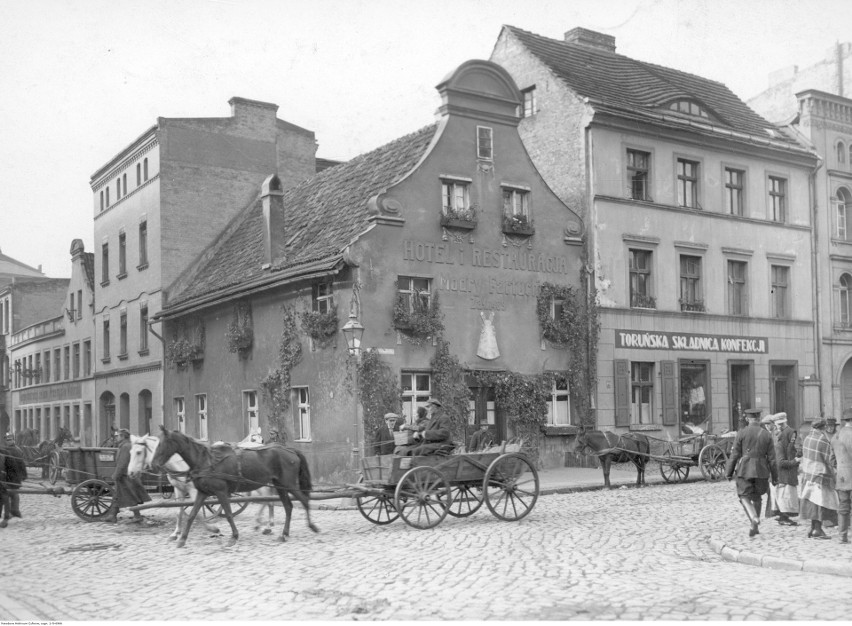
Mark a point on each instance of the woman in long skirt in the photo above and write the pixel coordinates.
(818, 500)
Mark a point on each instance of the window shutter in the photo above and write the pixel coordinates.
(667, 371)
(622, 392)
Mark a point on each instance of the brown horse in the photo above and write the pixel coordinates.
(39, 456)
(223, 470)
(611, 448)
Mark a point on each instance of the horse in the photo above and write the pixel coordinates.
(611, 448)
(223, 470)
(27, 437)
(177, 471)
(255, 440)
(39, 456)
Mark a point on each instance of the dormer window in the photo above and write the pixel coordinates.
(484, 143)
(688, 107)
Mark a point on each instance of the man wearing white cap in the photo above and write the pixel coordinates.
(842, 445)
(786, 496)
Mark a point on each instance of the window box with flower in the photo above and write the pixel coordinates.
(181, 352)
(417, 316)
(461, 219)
(518, 224)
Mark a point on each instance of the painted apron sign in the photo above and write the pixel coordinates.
(689, 341)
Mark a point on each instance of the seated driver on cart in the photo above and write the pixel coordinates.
(436, 437)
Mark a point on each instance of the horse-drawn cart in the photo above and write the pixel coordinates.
(423, 490)
(706, 451)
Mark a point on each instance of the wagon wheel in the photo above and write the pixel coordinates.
(712, 460)
(673, 471)
(466, 499)
(378, 508)
(91, 499)
(215, 509)
(55, 465)
(422, 497)
(511, 487)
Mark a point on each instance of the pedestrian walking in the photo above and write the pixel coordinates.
(13, 471)
(842, 446)
(786, 495)
(767, 422)
(817, 496)
(128, 491)
(753, 462)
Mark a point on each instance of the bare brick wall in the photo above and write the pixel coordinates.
(37, 301)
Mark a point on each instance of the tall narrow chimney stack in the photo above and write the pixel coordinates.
(272, 197)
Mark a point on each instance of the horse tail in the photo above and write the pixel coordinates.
(304, 472)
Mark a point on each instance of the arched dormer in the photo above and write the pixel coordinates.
(481, 89)
(689, 107)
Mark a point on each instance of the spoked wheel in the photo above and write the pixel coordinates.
(91, 499)
(422, 497)
(379, 509)
(54, 467)
(673, 471)
(213, 506)
(511, 487)
(712, 460)
(466, 500)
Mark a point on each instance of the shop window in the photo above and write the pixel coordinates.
(780, 292)
(640, 280)
(734, 190)
(301, 414)
(322, 298)
(484, 143)
(180, 414)
(251, 411)
(416, 391)
(201, 414)
(559, 404)
(638, 174)
(694, 395)
(737, 288)
(777, 199)
(641, 393)
(691, 296)
(530, 105)
(846, 301)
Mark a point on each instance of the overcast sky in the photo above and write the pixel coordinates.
(80, 80)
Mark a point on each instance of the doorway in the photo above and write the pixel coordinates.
(741, 390)
(695, 395)
(784, 377)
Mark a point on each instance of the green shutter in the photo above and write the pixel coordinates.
(622, 392)
(670, 409)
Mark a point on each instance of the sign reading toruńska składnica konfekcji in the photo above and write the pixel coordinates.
(690, 341)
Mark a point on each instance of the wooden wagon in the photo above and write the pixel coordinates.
(707, 451)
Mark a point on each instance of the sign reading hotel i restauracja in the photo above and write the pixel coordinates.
(689, 341)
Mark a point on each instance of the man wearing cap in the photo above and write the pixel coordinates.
(128, 491)
(753, 460)
(436, 438)
(786, 498)
(817, 497)
(383, 442)
(842, 446)
(830, 427)
(13, 471)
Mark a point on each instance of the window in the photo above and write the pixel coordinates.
(47, 366)
(516, 202)
(844, 214)
(414, 292)
(124, 183)
(455, 198)
(250, 410)
(102, 199)
(138, 174)
(301, 414)
(76, 361)
(322, 299)
(850, 154)
(638, 166)
(778, 199)
(690, 284)
(104, 263)
(416, 391)
(145, 169)
(484, 143)
(688, 108)
(687, 184)
(737, 302)
(846, 301)
(57, 364)
(87, 358)
(38, 368)
(143, 329)
(122, 335)
(640, 280)
(180, 414)
(559, 404)
(641, 393)
(780, 291)
(529, 102)
(79, 304)
(66, 362)
(106, 339)
(841, 153)
(106, 189)
(118, 189)
(734, 191)
(143, 244)
(122, 254)
(72, 313)
(201, 412)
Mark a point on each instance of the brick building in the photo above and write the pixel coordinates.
(157, 205)
(699, 220)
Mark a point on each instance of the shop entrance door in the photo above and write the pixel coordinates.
(741, 390)
(784, 386)
(483, 410)
(694, 395)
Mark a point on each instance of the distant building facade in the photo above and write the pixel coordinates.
(699, 221)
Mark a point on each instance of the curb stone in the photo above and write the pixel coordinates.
(749, 558)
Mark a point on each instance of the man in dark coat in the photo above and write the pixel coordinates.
(13, 471)
(383, 443)
(753, 461)
(481, 439)
(128, 491)
(436, 438)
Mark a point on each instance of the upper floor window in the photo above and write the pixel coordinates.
(72, 312)
(529, 102)
(322, 300)
(638, 174)
(106, 189)
(145, 169)
(484, 143)
(737, 288)
(75, 361)
(47, 367)
(104, 263)
(122, 254)
(640, 280)
(778, 199)
(79, 304)
(301, 414)
(118, 189)
(143, 328)
(66, 362)
(841, 153)
(57, 364)
(102, 199)
(844, 213)
(846, 301)
(691, 297)
(124, 183)
(734, 191)
(138, 174)
(455, 198)
(87, 358)
(780, 291)
(143, 243)
(687, 183)
(516, 202)
(122, 334)
(414, 292)
(106, 339)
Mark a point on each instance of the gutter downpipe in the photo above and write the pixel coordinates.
(162, 369)
(589, 269)
(812, 184)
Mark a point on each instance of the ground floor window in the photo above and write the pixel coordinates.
(416, 391)
(559, 404)
(201, 412)
(180, 414)
(301, 414)
(250, 411)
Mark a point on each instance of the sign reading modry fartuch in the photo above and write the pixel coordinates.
(690, 341)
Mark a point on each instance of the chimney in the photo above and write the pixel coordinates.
(272, 197)
(244, 110)
(591, 39)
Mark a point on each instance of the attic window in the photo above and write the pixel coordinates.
(484, 143)
(687, 107)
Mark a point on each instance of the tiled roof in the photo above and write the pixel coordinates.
(618, 81)
(323, 215)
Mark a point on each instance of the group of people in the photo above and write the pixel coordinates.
(431, 433)
(813, 482)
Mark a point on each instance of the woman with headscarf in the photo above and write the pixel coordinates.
(818, 500)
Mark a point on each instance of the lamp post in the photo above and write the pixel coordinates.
(353, 331)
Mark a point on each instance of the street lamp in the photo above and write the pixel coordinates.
(353, 331)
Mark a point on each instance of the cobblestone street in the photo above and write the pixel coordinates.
(621, 554)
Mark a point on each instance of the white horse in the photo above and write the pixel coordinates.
(141, 453)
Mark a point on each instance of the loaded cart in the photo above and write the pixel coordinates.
(707, 451)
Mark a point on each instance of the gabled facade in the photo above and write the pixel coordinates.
(453, 217)
(157, 204)
(52, 360)
(699, 220)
